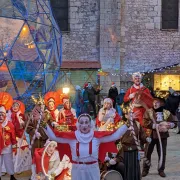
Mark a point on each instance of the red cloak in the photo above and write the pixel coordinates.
(37, 160)
(103, 148)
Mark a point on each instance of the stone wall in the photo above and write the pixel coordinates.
(110, 41)
(144, 45)
(82, 41)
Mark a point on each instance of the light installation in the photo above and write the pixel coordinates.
(30, 48)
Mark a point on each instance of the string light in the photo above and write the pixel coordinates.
(103, 73)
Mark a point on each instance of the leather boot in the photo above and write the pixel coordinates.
(12, 177)
(144, 173)
(162, 174)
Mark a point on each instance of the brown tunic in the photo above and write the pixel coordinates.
(149, 115)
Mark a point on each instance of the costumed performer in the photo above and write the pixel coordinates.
(85, 146)
(47, 163)
(157, 118)
(8, 142)
(52, 101)
(127, 161)
(67, 115)
(131, 93)
(107, 116)
(22, 160)
(37, 135)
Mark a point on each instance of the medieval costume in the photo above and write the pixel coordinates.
(67, 115)
(37, 135)
(161, 118)
(107, 117)
(46, 162)
(52, 100)
(131, 93)
(129, 153)
(85, 147)
(22, 160)
(113, 93)
(8, 142)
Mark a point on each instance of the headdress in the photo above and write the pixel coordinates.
(21, 106)
(136, 74)
(52, 97)
(65, 99)
(6, 100)
(108, 100)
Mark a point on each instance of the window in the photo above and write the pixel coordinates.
(60, 11)
(170, 12)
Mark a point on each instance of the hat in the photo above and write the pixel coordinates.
(21, 105)
(85, 85)
(113, 84)
(108, 100)
(2, 109)
(52, 97)
(78, 87)
(48, 142)
(136, 74)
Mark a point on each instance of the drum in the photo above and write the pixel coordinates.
(111, 175)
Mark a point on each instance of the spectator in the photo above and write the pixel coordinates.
(172, 103)
(78, 100)
(113, 93)
(91, 97)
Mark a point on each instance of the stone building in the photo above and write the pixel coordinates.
(120, 37)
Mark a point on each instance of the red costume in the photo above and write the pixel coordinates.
(17, 118)
(52, 101)
(137, 108)
(67, 115)
(37, 161)
(107, 117)
(104, 147)
(8, 135)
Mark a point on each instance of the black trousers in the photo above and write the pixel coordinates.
(92, 103)
(149, 152)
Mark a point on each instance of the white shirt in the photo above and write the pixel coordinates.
(84, 147)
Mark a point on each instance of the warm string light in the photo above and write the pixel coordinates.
(103, 73)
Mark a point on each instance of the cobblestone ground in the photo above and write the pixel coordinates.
(172, 163)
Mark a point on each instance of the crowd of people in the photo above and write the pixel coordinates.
(73, 144)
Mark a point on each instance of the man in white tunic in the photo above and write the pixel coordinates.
(85, 146)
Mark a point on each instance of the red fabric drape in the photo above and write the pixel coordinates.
(104, 147)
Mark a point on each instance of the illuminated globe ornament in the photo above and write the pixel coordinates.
(30, 48)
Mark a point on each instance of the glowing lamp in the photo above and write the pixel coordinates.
(66, 90)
